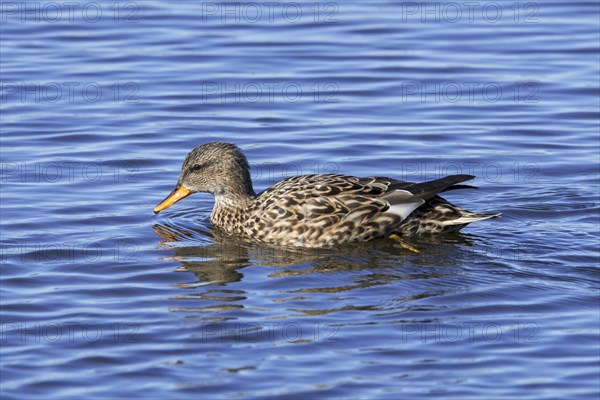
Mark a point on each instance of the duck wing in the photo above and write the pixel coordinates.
(312, 210)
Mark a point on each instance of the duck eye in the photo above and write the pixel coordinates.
(197, 167)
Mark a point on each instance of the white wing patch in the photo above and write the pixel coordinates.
(403, 202)
(405, 209)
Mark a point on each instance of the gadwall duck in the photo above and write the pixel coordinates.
(320, 210)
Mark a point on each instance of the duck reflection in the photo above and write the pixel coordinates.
(311, 282)
(214, 263)
(219, 259)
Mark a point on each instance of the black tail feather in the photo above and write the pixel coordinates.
(426, 190)
(456, 187)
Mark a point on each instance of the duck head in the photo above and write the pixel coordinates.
(218, 168)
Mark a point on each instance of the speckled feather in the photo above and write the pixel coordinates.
(321, 210)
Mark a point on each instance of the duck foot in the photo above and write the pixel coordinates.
(407, 246)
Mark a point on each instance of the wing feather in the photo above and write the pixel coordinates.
(338, 208)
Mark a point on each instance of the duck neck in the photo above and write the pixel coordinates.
(234, 197)
(229, 212)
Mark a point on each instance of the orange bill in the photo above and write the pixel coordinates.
(177, 194)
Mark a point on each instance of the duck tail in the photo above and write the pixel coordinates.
(468, 216)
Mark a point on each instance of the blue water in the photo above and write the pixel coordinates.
(102, 100)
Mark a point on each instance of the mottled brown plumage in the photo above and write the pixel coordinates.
(319, 210)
